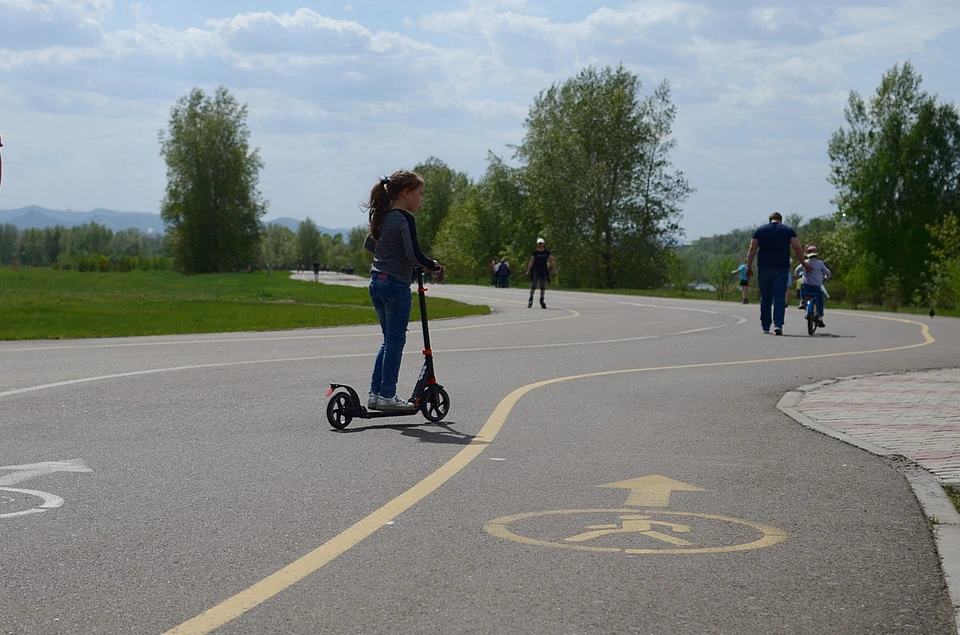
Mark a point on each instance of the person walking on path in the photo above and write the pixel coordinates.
(494, 278)
(538, 270)
(503, 273)
(773, 242)
(744, 283)
(393, 241)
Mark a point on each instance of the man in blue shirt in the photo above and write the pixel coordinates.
(773, 242)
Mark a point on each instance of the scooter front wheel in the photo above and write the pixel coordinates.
(337, 410)
(435, 403)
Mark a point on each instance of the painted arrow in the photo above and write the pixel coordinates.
(23, 472)
(652, 491)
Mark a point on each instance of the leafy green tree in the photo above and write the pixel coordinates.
(896, 167)
(9, 236)
(943, 287)
(442, 187)
(678, 271)
(598, 175)
(360, 258)
(720, 276)
(278, 248)
(212, 205)
(461, 243)
(91, 238)
(309, 243)
(30, 250)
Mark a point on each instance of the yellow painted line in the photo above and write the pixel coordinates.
(769, 535)
(237, 605)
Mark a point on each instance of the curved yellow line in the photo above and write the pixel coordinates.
(289, 575)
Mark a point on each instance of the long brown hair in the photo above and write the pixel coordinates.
(387, 190)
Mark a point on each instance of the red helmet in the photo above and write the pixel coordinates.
(812, 250)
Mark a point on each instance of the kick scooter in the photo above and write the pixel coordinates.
(428, 397)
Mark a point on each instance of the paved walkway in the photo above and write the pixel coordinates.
(913, 414)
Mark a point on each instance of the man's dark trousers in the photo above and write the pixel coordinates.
(773, 287)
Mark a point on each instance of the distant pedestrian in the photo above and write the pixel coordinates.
(503, 273)
(494, 278)
(773, 241)
(538, 270)
(316, 271)
(744, 283)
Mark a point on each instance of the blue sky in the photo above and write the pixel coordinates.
(342, 92)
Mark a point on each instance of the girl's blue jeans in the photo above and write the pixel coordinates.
(391, 299)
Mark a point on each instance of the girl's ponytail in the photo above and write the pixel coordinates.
(384, 193)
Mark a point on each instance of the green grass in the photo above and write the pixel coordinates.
(954, 493)
(38, 303)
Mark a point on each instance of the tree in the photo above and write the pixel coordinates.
(309, 243)
(461, 245)
(720, 276)
(599, 177)
(678, 271)
(943, 287)
(9, 235)
(896, 167)
(442, 187)
(212, 205)
(278, 247)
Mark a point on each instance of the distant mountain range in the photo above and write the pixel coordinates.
(35, 217)
(293, 224)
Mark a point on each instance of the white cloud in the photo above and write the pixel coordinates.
(757, 86)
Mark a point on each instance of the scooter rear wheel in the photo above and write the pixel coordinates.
(337, 410)
(435, 403)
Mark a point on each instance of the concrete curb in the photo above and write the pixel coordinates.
(933, 500)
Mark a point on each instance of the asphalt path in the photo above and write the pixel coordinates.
(192, 483)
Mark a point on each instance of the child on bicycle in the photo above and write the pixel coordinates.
(813, 280)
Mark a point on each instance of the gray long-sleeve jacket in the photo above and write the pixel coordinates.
(815, 277)
(398, 250)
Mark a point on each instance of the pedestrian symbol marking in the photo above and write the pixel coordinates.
(635, 523)
(635, 531)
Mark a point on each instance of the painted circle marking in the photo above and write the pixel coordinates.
(50, 501)
(770, 535)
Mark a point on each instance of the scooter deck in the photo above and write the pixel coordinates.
(363, 413)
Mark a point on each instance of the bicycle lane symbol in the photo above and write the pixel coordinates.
(640, 529)
(22, 473)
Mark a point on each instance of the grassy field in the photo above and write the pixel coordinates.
(39, 303)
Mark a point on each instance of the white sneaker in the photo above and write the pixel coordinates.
(393, 403)
(372, 400)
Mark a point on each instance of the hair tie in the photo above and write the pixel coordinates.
(384, 181)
